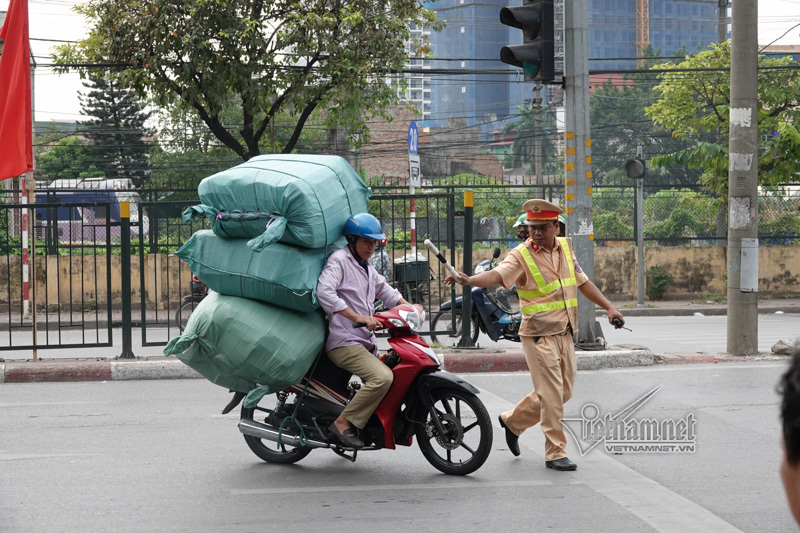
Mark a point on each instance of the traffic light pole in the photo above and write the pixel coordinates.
(578, 173)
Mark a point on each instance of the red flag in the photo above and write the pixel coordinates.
(16, 145)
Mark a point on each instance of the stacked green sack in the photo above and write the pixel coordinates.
(249, 346)
(279, 274)
(302, 200)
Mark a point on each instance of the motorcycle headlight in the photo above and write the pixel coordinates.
(480, 268)
(413, 318)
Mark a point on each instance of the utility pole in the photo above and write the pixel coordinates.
(578, 159)
(537, 131)
(743, 182)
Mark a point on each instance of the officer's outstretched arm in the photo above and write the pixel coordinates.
(484, 279)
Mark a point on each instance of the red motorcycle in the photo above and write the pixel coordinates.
(451, 424)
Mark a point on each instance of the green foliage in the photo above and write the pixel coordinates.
(398, 240)
(69, 158)
(283, 57)
(680, 223)
(658, 280)
(179, 173)
(620, 125)
(612, 227)
(116, 131)
(695, 106)
(523, 151)
(613, 213)
(672, 212)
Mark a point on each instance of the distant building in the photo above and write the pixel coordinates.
(780, 50)
(473, 36)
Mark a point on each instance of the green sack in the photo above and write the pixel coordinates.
(249, 346)
(279, 274)
(295, 199)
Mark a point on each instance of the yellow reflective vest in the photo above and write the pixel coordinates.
(550, 297)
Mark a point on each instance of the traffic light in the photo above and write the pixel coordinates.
(536, 53)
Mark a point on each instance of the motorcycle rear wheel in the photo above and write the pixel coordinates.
(268, 450)
(442, 320)
(183, 312)
(468, 439)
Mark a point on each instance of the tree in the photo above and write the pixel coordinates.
(69, 158)
(116, 132)
(694, 105)
(265, 58)
(523, 150)
(619, 125)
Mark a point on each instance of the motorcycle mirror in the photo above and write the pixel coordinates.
(496, 253)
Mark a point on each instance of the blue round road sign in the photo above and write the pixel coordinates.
(413, 138)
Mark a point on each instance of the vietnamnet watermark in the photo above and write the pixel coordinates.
(621, 433)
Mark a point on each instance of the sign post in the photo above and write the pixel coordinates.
(413, 181)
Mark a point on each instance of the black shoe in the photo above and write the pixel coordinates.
(512, 441)
(563, 464)
(348, 437)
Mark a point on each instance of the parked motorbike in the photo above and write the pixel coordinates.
(452, 426)
(190, 301)
(491, 313)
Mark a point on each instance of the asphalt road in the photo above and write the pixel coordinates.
(157, 456)
(661, 335)
(686, 334)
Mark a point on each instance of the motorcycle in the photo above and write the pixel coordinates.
(452, 426)
(190, 301)
(492, 314)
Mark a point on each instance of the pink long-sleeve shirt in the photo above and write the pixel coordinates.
(344, 283)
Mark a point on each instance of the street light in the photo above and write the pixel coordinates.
(635, 170)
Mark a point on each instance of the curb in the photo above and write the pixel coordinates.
(170, 368)
(515, 361)
(689, 311)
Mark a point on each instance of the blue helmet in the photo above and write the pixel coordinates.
(364, 225)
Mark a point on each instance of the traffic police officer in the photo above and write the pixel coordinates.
(548, 277)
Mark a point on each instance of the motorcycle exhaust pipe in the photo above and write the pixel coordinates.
(263, 431)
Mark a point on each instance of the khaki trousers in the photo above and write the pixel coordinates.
(551, 361)
(376, 378)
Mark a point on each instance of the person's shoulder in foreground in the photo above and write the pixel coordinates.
(789, 388)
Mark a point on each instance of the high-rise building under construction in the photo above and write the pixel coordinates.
(466, 79)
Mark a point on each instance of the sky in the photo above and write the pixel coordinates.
(56, 96)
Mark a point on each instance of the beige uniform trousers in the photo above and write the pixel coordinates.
(376, 378)
(551, 361)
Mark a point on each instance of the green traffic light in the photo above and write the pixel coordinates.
(530, 68)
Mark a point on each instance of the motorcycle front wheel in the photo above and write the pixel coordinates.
(467, 439)
(443, 321)
(265, 449)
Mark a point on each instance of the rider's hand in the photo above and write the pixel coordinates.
(371, 322)
(449, 280)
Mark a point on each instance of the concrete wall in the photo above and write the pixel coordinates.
(697, 272)
(82, 281)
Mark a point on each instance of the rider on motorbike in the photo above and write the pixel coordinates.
(347, 290)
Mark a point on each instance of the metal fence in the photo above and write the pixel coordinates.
(70, 278)
(75, 259)
(684, 216)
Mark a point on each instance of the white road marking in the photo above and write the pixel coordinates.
(652, 502)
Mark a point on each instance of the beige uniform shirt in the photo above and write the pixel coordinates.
(514, 270)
